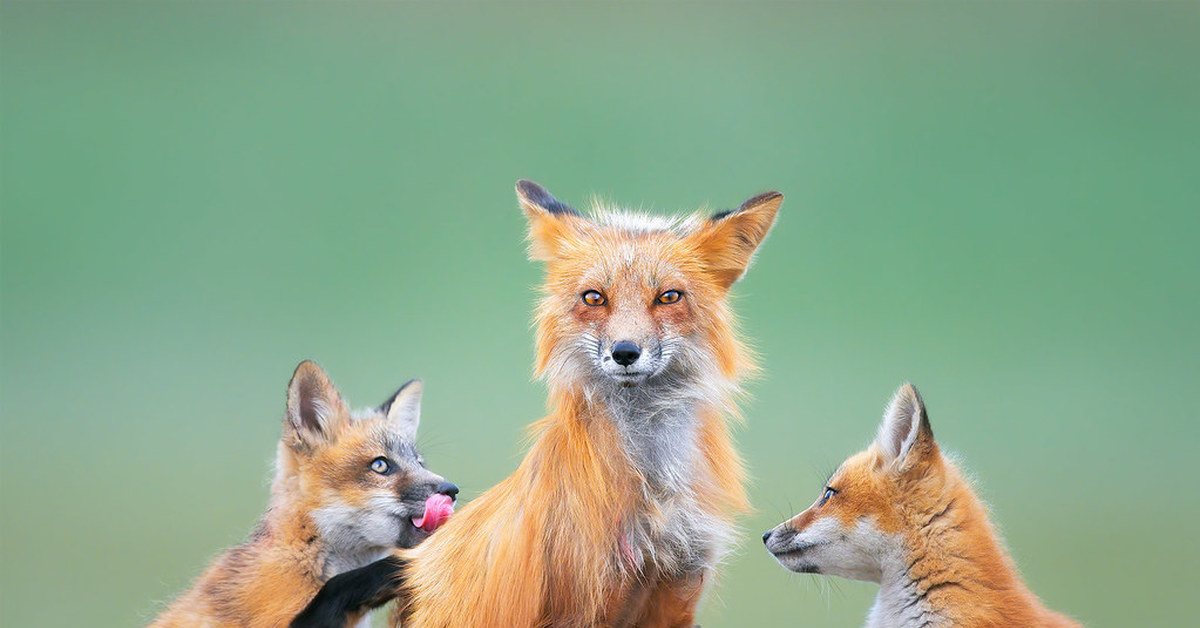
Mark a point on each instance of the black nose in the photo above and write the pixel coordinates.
(446, 488)
(766, 536)
(625, 353)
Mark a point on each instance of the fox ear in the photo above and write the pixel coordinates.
(314, 407)
(551, 222)
(403, 409)
(905, 433)
(728, 240)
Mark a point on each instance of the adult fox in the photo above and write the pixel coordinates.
(624, 503)
(902, 515)
(348, 487)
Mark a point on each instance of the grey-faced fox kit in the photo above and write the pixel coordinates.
(349, 487)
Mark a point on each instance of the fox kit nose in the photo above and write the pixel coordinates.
(448, 489)
(766, 536)
(625, 353)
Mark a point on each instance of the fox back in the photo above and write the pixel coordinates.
(624, 501)
(349, 487)
(902, 515)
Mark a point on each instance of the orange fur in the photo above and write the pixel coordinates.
(557, 542)
(952, 567)
(324, 461)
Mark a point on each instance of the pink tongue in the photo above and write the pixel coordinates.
(438, 509)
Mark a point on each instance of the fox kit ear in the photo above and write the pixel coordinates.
(905, 433)
(728, 240)
(404, 408)
(551, 221)
(314, 407)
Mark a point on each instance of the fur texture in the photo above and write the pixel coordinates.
(626, 497)
(900, 514)
(334, 507)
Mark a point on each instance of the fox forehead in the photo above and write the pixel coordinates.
(372, 435)
(864, 489)
(645, 261)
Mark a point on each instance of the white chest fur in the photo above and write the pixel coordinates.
(679, 536)
(900, 605)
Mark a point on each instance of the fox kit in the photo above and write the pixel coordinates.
(902, 515)
(348, 488)
(623, 503)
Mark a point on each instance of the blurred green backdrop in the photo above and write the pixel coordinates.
(998, 202)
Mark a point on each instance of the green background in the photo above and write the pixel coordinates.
(998, 202)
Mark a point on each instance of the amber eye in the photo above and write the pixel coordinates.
(381, 466)
(669, 297)
(593, 298)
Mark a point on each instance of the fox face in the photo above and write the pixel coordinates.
(364, 484)
(632, 299)
(858, 522)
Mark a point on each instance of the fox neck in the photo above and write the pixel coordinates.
(290, 525)
(936, 577)
(664, 450)
(658, 421)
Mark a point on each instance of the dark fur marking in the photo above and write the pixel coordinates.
(386, 406)
(761, 198)
(945, 511)
(540, 197)
(351, 593)
(751, 202)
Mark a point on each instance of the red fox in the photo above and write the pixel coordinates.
(348, 488)
(624, 502)
(900, 514)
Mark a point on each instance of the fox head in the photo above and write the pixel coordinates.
(358, 475)
(631, 300)
(873, 501)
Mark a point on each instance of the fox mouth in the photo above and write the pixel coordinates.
(438, 509)
(629, 380)
(793, 557)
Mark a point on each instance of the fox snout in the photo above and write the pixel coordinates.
(631, 362)
(789, 550)
(625, 352)
(420, 485)
(449, 489)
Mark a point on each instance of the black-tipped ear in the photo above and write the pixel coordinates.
(770, 199)
(403, 409)
(728, 240)
(905, 433)
(552, 224)
(535, 200)
(314, 406)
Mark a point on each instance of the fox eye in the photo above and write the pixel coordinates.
(593, 298)
(669, 297)
(829, 492)
(381, 466)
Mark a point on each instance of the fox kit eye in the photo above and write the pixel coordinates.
(593, 298)
(381, 466)
(669, 297)
(829, 492)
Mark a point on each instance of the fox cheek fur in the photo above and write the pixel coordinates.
(626, 342)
